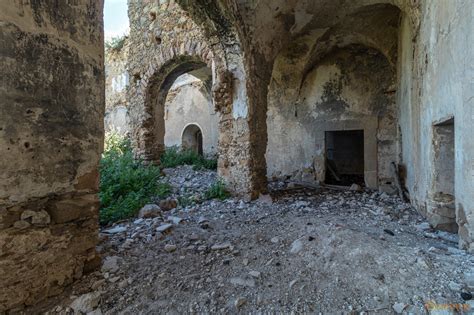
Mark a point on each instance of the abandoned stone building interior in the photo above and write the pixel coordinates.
(377, 95)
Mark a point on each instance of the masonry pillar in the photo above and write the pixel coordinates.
(51, 138)
(243, 128)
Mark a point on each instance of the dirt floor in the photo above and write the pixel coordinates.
(300, 250)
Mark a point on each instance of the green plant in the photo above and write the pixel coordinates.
(126, 184)
(186, 201)
(217, 191)
(174, 157)
(115, 43)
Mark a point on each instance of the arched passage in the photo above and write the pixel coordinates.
(153, 128)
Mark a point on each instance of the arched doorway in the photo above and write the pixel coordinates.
(153, 132)
(191, 139)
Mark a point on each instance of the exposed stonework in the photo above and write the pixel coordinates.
(188, 102)
(51, 136)
(116, 81)
(172, 44)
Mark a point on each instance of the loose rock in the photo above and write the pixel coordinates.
(86, 303)
(239, 302)
(222, 246)
(399, 307)
(168, 204)
(164, 227)
(149, 211)
(170, 248)
(111, 264)
(296, 247)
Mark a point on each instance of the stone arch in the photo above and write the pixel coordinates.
(155, 99)
(149, 93)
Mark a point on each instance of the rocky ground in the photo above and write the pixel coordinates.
(298, 250)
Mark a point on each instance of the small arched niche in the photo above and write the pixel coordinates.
(192, 139)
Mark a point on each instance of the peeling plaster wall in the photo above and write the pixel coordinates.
(351, 89)
(189, 102)
(439, 84)
(51, 137)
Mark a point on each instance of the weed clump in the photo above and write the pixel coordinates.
(126, 184)
(174, 157)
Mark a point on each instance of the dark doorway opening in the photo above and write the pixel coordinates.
(345, 157)
(442, 206)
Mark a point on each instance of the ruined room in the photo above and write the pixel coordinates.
(251, 156)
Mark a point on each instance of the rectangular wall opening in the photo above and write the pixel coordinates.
(442, 206)
(345, 157)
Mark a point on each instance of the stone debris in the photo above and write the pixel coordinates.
(424, 226)
(202, 220)
(307, 241)
(243, 282)
(399, 307)
(355, 187)
(115, 230)
(239, 302)
(296, 247)
(149, 211)
(170, 248)
(168, 204)
(164, 228)
(111, 264)
(265, 199)
(222, 246)
(175, 220)
(454, 286)
(292, 283)
(469, 280)
(86, 303)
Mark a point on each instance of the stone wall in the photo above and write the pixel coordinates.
(347, 90)
(51, 137)
(436, 84)
(116, 82)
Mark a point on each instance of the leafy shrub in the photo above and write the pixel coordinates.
(115, 43)
(217, 191)
(126, 184)
(174, 157)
